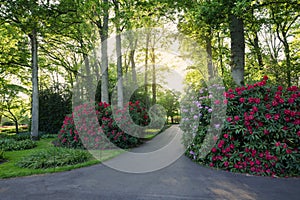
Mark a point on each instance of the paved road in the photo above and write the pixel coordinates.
(182, 179)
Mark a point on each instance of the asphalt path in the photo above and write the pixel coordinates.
(182, 179)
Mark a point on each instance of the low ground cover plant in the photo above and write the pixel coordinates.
(54, 157)
(261, 132)
(1, 156)
(17, 137)
(13, 145)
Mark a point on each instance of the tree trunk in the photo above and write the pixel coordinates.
(132, 61)
(35, 89)
(88, 82)
(153, 76)
(119, 71)
(220, 48)
(258, 52)
(17, 126)
(104, 59)
(146, 68)
(286, 46)
(209, 58)
(119, 57)
(237, 49)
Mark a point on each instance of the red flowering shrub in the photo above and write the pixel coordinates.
(93, 127)
(261, 134)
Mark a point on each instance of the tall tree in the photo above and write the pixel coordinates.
(12, 105)
(97, 11)
(284, 16)
(119, 53)
(27, 15)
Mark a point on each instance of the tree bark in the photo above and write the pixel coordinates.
(209, 58)
(119, 71)
(88, 82)
(286, 46)
(237, 49)
(146, 68)
(104, 59)
(17, 126)
(220, 48)
(132, 61)
(258, 52)
(35, 89)
(153, 76)
(119, 57)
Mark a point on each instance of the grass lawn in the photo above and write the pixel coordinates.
(9, 169)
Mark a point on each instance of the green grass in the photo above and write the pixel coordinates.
(9, 169)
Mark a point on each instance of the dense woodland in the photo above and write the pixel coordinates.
(46, 43)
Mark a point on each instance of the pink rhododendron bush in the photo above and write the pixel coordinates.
(260, 134)
(94, 126)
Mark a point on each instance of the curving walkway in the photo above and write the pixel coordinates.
(181, 180)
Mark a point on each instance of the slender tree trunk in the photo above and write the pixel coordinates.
(119, 56)
(119, 71)
(258, 52)
(153, 76)
(220, 47)
(96, 66)
(17, 126)
(35, 89)
(237, 49)
(104, 59)
(288, 63)
(286, 46)
(146, 68)
(14, 119)
(132, 61)
(88, 82)
(209, 58)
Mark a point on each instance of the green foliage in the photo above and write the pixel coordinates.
(47, 136)
(54, 104)
(261, 134)
(10, 169)
(1, 155)
(54, 157)
(13, 145)
(170, 101)
(8, 123)
(88, 134)
(17, 137)
(12, 130)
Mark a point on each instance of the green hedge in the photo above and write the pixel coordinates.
(55, 104)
